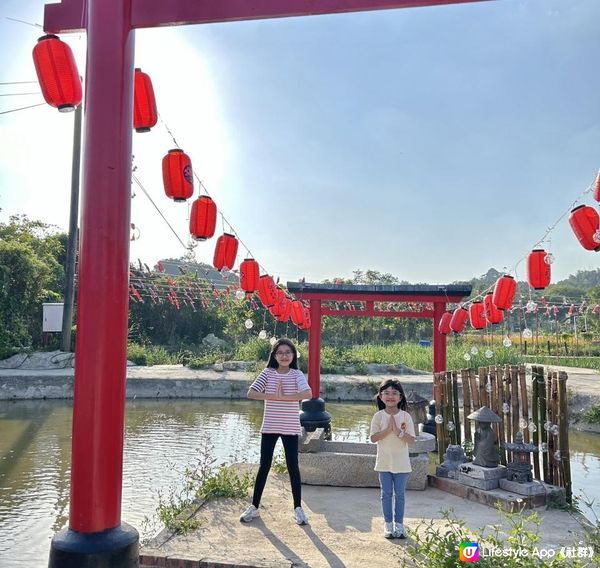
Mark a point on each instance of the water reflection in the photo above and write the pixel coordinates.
(161, 439)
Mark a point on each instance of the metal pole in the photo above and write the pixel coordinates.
(69, 296)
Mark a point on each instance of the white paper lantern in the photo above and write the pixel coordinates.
(262, 334)
(474, 350)
(489, 353)
(506, 342)
(466, 357)
(240, 295)
(273, 340)
(249, 324)
(527, 333)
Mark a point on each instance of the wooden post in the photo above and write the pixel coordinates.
(563, 418)
(458, 436)
(534, 417)
(473, 383)
(448, 411)
(554, 398)
(482, 380)
(467, 408)
(497, 408)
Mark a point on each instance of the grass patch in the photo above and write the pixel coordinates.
(592, 414)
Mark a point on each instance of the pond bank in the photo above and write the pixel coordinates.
(178, 381)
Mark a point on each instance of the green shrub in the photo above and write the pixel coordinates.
(592, 414)
(150, 355)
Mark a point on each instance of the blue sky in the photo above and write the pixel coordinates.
(430, 143)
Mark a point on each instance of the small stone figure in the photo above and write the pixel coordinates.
(453, 458)
(485, 452)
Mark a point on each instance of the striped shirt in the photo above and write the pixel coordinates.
(281, 416)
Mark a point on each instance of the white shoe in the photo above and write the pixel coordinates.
(249, 514)
(300, 516)
(388, 531)
(399, 530)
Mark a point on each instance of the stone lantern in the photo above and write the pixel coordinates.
(520, 468)
(416, 406)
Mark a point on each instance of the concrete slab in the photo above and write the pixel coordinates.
(345, 530)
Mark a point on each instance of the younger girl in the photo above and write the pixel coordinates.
(393, 430)
(281, 385)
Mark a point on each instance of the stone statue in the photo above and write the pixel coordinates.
(485, 452)
(453, 458)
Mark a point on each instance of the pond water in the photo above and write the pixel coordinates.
(161, 438)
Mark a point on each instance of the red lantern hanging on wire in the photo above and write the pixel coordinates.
(459, 319)
(285, 310)
(504, 292)
(477, 315)
(306, 324)
(203, 218)
(225, 251)
(178, 179)
(277, 306)
(249, 275)
(145, 114)
(585, 223)
(492, 313)
(444, 325)
(57, 73)
(297, 313)
(267, 291)
(538, 269)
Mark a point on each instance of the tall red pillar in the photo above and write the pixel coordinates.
(96, 536)
(314, 348)
(439, 339)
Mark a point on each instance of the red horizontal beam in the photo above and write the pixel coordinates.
(375, 313)
(376, 297)
(70, 15)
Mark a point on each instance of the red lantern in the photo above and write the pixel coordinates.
(307, 322)
(459, 319)
(285, 310)
(145, 114)
(444, 325)
(225, 252)
(585, 222)
(267, 291)
(597, 188)
(504, 292)
(477, 315)
(297, 313)
(538, 270)
(178, 178)
(249, 275)
(492, 313)
(277, 307)
(57, 73)
(203, 218)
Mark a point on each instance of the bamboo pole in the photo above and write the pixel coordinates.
(524, 402)
(473, 383)
(535, 370)
(439, 428)
(542, 419)
(448, 410)
(497, 395)
(514, 399)
(456, 409)
(467, 408)
(506, 417)
(557, 473)
(550, 419)
(563, 418)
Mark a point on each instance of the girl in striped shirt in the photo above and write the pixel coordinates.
(282, 386)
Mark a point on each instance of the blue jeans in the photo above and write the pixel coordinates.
(393, 486)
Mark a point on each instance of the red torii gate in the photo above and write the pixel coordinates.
(439, 295)
(96, 535)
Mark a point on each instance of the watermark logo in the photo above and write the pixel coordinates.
(468, 551)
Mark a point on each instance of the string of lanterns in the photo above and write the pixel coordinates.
(61, 87)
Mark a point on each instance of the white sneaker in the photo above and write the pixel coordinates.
(249, 514)
(300, 516)
(399, 530)
(388, 531)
